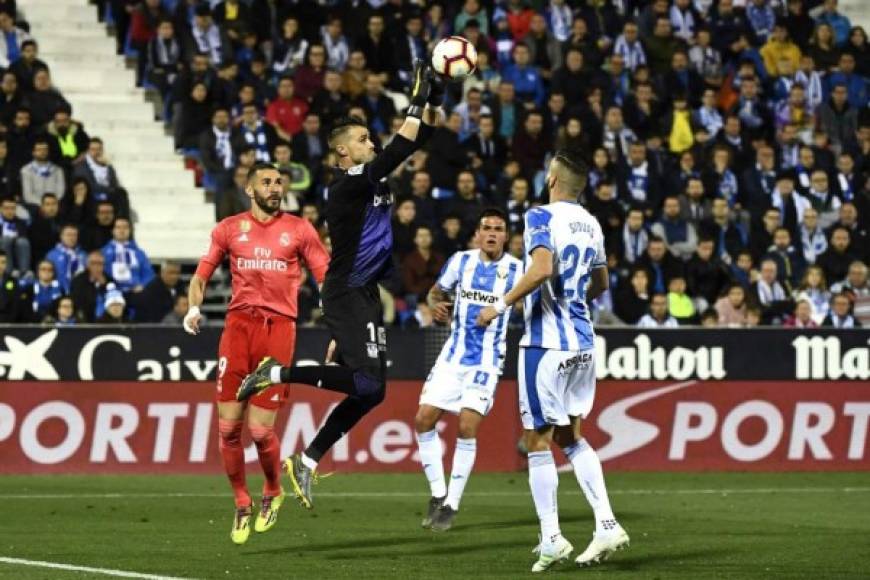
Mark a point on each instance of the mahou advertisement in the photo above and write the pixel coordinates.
(691, 425)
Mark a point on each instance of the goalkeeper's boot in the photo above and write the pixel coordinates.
(301, 477)
(268, 515)
(241, 525)
(434, 504)
(258, 381)
(603, 545)
(443, 520)
(551, 553)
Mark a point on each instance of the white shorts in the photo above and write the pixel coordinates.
(555, 385)
(453, 388)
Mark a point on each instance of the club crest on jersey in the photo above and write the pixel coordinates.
(284, 240)
(501, 273)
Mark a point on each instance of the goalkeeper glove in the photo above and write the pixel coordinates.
(420, 88)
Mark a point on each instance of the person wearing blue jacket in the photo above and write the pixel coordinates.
(528, 85)
(126, 263)
(68, 258)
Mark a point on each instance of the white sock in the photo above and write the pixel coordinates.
(590, 476)
(463, 461)
(308, 462)
(275, 374)
(430, 456)
(544, 481)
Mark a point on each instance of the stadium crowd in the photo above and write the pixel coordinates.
(728, 146)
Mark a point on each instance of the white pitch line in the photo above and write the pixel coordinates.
(711, 491)
(72, 568)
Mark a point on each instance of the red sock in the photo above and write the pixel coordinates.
(233, 454)
(269, 451)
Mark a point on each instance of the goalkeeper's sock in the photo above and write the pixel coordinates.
(590, 476)
(463, 461)
(332, 378)
(430, 456)
(269, 452)
(233, 455)
(544, 481)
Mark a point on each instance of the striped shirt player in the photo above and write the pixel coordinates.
(467, 370)
(557, 363)
(565, 266)
(465, 376)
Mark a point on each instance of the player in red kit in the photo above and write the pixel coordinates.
(266, 249)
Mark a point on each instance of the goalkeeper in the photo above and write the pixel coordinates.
(358, 216)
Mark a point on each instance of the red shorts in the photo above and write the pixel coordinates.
(249, 336)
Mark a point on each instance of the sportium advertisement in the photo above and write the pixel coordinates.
(692, 425)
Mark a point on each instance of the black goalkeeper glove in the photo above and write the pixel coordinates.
(420, 89)
(436, 88)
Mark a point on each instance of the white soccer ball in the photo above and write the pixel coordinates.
(454, 57)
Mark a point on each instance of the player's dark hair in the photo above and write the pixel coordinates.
(576, 169)
(341, 126)
(256, 167)
(492, 212)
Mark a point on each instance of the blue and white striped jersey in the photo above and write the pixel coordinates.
(476, 285)
(556, 314)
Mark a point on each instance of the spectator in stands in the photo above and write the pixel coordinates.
(813, 289)
(658, 315)
(848, 218)
(377, 47)
(801, 317)
(336, 43)
(175, 317)
(446, 156)
(661, 265)
(99, 230)
(450, 239)
(771, 296)
(634, 238)
(235, 200)
(126, 263)
(216, 150)
(290, 48)
(680, 304)
(488, 150)
(287, 111)
(8, 292)
(531, 145)
(354, 76)
(470, 110)
(158, 297)
(694, 205)
(164, 58)
(62, 313)
(256, 133)
(68, 140)
(14, 38)
(525, 78)
(37, 296)
(405, 227)
(102, 178)
(309, 76)
(67, 257)
(420, 267)
(679, 235)
(822, 198)
(207, 37)
(379, 108)
(790, 263)
(11, 97)
(732, 307)
(28, 63)
(837, 117)
(839, 315)
(309, 145)
(839, 23)
(856, 284)
(421, 192)
(88, 288)
(13, 239)
(518, 204)
(759, 181)
(466, 203)
(20, 138)
(44, 100)
(632, 300)
(706, 274)
(44, 230)
(330, 102)
(40, 176)
(116, 308)
(639, 182)
(813, 240)
(193, 117)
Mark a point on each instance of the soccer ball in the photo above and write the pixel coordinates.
(454, 57)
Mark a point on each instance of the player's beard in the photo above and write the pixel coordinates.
(264, 203)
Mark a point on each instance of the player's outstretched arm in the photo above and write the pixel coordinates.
(537, 273)
(419, 123)
(599, 282)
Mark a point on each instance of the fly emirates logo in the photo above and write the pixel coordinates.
(262, 260)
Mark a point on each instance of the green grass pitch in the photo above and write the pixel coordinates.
(682, 526)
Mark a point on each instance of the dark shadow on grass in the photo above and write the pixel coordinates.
(357, 544)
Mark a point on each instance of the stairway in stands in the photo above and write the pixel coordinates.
(174, 220)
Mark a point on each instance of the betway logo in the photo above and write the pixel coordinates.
(644, 362)
(812, 430)
(820, 357)
(477, 296)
